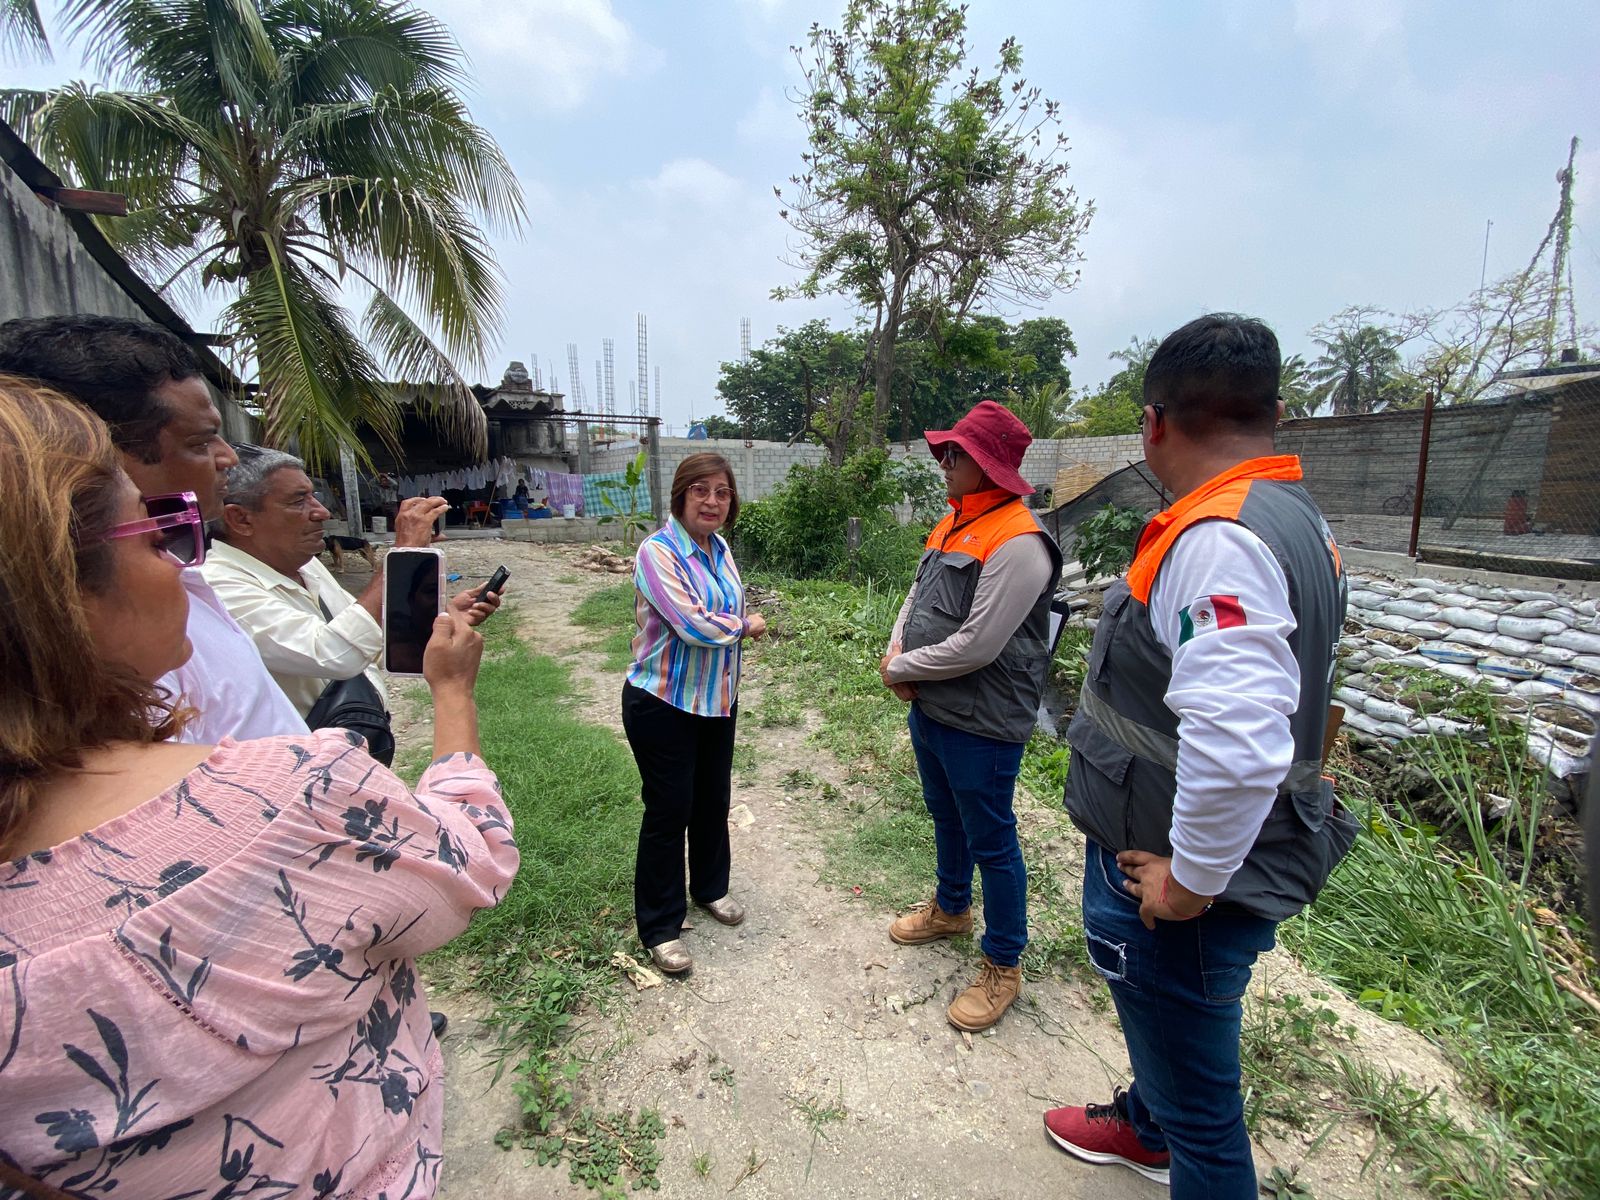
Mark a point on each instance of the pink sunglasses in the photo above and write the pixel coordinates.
(176, 518)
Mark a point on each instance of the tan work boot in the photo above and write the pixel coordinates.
(928, 923)
(986, 1001)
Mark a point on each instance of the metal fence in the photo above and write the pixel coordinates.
(1510, 484)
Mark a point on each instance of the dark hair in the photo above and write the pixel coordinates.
(109, 364)
(60, 698)
(1218, 374)
(691, 471)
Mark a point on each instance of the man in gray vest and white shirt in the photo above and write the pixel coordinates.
(1197, 750)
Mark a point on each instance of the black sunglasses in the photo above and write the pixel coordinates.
(1159, 409)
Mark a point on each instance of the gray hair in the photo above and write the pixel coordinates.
(247, 482)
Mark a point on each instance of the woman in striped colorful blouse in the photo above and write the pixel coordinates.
(680, 703)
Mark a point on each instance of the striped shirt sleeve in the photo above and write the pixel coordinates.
(662, 580)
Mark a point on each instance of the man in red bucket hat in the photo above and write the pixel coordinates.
(970, 650)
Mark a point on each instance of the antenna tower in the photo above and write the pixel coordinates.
(642, 403)
(572, 371)
(610, 394)
(744, 339)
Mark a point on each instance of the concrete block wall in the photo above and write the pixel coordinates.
(760, 467)
(613, 458)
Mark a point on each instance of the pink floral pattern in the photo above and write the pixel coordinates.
(214, 995)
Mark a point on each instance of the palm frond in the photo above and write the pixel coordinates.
(425, 137)
(129, 142)
(22, 33)
(318, 382)
(428, 252)
(191, 50)
(348, 49)
(416, 361)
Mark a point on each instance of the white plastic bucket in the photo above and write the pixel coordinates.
(569, 511)
(380, 524)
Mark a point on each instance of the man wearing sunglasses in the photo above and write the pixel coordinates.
(146, 386)
(1197, 747)
(970, 651)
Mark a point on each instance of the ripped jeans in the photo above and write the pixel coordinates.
(1178, 991)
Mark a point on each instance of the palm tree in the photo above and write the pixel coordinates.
(299, 154)
(1295, 388)
(1356, 369)
(1042, 407)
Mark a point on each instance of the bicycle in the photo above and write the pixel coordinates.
(1433, 505)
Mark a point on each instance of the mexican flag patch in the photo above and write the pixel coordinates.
(1212, 612)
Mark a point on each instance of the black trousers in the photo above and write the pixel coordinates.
(686, 765)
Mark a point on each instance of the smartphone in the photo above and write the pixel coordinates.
(497, 581)
(413, 590)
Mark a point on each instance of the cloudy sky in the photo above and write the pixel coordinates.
(1280, 158)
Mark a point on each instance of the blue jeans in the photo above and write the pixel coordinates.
(1178, 992)
(967, 784)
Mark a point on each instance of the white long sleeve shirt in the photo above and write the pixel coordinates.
(225, 679)
(300, 647)
(1234, 688)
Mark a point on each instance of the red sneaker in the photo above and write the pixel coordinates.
(1101, 1133)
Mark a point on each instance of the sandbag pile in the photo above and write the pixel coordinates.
(1537, 652)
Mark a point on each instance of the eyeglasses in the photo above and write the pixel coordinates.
(951, 456)
(176, 517)
(703, 491)
(1159, 409)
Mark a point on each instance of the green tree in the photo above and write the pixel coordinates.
(719, 426)
(1042, 407)
(1359, 365)
(1114, 406)
(786, 388)
(1296, 389)
(928, 187)
(290, 152)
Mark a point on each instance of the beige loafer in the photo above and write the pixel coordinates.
(672, 957)
(727, 910)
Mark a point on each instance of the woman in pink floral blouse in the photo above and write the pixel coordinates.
(207, 978)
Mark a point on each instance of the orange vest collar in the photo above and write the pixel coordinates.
(1220, 496)
(975, 504)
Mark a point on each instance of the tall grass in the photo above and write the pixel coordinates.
(1437, 927)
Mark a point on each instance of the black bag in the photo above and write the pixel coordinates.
(354, 704)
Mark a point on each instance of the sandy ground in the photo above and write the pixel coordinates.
(808, 1004)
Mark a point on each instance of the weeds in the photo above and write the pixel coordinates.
(1436, 926)
(545, 950)
(817, 1117)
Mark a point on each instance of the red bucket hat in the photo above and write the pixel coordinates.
(996, 440)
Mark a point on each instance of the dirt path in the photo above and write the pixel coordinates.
(808, 1009)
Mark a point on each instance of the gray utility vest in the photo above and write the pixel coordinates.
(1122, 780)
(1001, 700)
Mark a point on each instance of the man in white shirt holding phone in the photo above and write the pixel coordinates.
(264, 566)
(147, 386)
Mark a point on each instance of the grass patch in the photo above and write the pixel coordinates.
(546, 949)
(1436, 926)
(827, 639)
(610, 613)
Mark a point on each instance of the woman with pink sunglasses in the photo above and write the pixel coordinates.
(207, 976)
